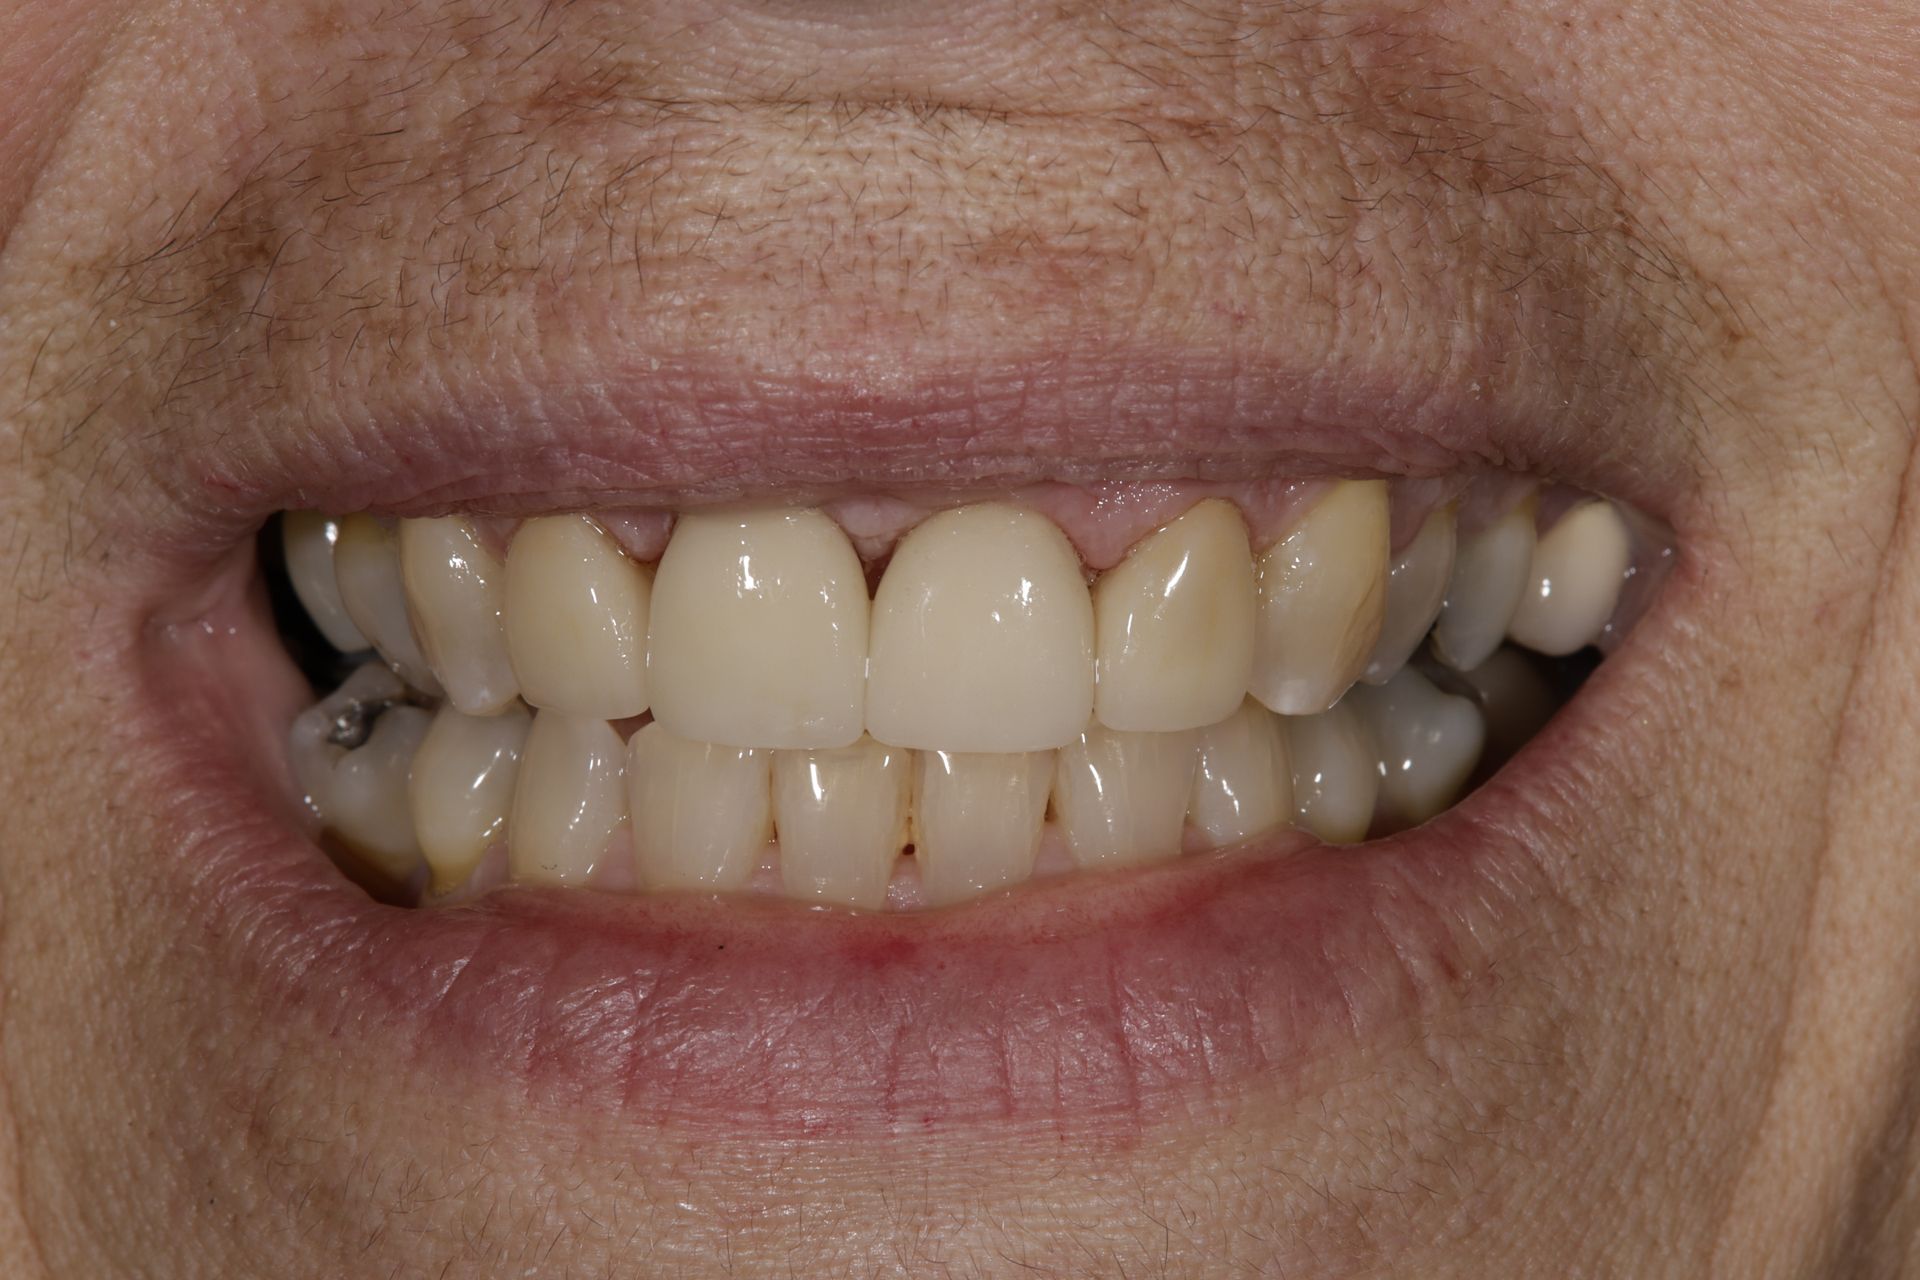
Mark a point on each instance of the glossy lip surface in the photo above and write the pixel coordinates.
(1098, 1001)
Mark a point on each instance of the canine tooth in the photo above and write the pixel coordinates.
(366, 564)
(350, 754)
(576, 611)
(1428, 743)
(1416, 584)
(454, 587)
(568, 800)
(701, 816)
(977, 820)
(982, 636)
(1122, 797)
(1490, 572)
(1578, 568)
(1174, 625)
(1322, 594)
(1242, 782)
(306, 541)
(462, 788)
(842, 818)
(1335, 773)
(759, 631)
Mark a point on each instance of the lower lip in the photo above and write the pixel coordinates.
(1103, 1001)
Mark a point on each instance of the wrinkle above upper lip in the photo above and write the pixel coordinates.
(555, 275)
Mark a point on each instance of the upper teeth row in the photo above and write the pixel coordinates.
(756, 628)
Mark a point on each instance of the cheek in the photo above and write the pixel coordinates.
(48, 50)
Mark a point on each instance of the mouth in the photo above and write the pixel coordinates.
(867, 803)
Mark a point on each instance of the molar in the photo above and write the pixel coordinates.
(977, 820)
(842, 818)
(982, 637)
(701, 813)
(462, 788)
(306, 541)
(1416, 586)
(455, 586)
(576, 612)
(758, 634)
(366, 563)
(1242, 781)
(1174, 625)
(1578, 568)
(568, 800)
(1322, 593)
(1121, 798)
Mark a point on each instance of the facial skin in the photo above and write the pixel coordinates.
(1663, 251)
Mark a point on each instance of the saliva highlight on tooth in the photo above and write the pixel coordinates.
(733, 710)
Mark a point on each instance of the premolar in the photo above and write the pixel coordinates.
(1578, 568)
(982, 636)
(350, 754)
(1335, 773)
(306, 540)
(577, 619)
(568, 800)
(1416, 585)
(701, 812)
(366, 562)
(1121, 797)
(758, 634)
(1174, 623)
(842, 816)
(1322, 595)
(462, 789)
(977, 820)
(1428, 743)
(455, 587)
(1490, 573)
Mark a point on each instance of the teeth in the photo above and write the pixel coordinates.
(454, 587)
(1428, 744)
(1335, 774)
(759, 631)
(1242, 783)
(1175, 625)
(1578, 568)
(366, 564)
(350, 754)
(977, 820)
(1490, 573)
(1416, 584)
(1322, 593)
(568, 800)
(462, 789)
(306, 540)
(701, 816)
(982, 636)
(576, 611)
(1515, 700)
(1121, 798)
(842, 818)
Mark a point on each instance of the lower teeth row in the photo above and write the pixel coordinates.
(439, 805)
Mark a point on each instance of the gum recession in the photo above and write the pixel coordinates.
(1102, 1004)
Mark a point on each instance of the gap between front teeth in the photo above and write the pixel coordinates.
(986, 704)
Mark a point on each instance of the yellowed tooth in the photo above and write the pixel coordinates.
(306, 540)
(842, 818)
(1579, 566)
(977, 820)
(1336, 773)
(759, 631)
(1174, 625)
(1322, 595)
(1426, 742)
(1242, 783)
(462, 789)
(982, 636)
(1416, 585)
(1121, 798)
(576, 614)
(701, 815)
(366, 564)
(1489, 576)
(359, 790)
(455, 588)
(568, 801)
